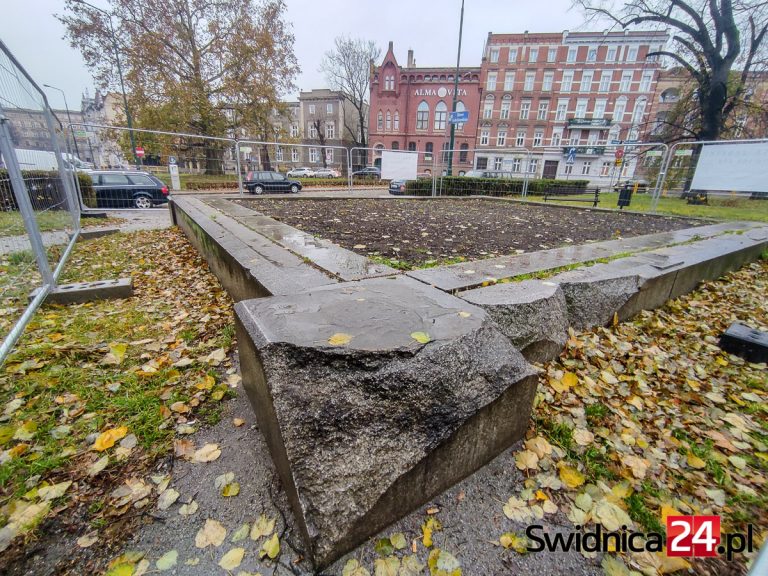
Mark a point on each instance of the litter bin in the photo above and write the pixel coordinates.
(625, 195)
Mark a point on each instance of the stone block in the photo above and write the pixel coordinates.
(88, 291)
(532, 314)
(90, 233)
(365, 431)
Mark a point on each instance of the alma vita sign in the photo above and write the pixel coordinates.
(440, 92)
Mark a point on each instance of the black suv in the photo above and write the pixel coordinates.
(261, 182)
(127, 189)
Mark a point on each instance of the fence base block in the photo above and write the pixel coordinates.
(88, 291)
(91, 234)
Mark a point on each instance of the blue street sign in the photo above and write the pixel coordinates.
(171, 159)
(459, 117)
(614, 142)
(571, 158)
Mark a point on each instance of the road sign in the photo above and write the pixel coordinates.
(459, 117)
(571, 158)
(619, 161)
(615, 142)
(171, 159)
(631, 141)
(175, 180)
(139, 151)
(619, 153)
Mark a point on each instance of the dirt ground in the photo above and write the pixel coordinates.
(425, 232)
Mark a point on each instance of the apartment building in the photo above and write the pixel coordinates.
(409, 109)
(566, 97)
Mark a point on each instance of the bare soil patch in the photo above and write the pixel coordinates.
(419, 233)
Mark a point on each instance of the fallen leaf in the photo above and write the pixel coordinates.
(353, 568)
(232, 559)
(167, 560)
(526, 459)
(421, 337)
(388, 566)
(238, 422)
(270, 548)
(88, 539)
(339, 339)
(207, 453)
(442, 563)
(108, 438)
(571, 477)
(188, 509)
(262, 527)
(211, 534)
(167, 498)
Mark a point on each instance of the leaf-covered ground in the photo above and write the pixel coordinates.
(94, 393)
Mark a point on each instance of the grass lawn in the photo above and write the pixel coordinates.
(719, 207)
(12, 223)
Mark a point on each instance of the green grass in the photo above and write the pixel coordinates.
(719, 207)
(640, 513)
(12, 223)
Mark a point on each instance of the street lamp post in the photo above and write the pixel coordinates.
(128, 119)
(455, 94)
(69, 118)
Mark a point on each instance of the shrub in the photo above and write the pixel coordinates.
(46, 190)
(467, 186)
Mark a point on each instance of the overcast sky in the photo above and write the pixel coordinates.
(429, 27)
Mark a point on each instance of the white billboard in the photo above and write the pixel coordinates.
(399, 165)
(732, 167)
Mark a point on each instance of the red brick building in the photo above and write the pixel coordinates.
(550, 93)
(409, 110)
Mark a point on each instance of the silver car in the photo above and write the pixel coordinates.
(301, 172)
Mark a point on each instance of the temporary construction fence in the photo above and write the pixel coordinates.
(39, 215)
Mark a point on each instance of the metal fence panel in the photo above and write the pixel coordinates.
(39, 215)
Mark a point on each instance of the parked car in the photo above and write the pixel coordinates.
(261, 182)
(301, 173)
(397, 187)
(642, 185)
(368, 172)
(325, 173)
(127, 189)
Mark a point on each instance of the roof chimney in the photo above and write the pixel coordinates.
(410, 59)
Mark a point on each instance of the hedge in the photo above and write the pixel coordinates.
(464, 186)
(45, 190)
(305, 183)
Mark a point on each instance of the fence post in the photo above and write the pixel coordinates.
(67, 176)
(22, 200)
(237, 162)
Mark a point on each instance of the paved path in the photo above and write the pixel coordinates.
(134, 220)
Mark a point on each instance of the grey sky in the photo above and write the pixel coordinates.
(429, 27)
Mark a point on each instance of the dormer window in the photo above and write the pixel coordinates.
(389, 83)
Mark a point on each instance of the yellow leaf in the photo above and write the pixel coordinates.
(232, 559)
(611, 516)
(167, 560)
(107, 439)
(513, 541)
(539, 445)
(430, 525)
(232, 489)
(398, 540)
(695, 462)
(667, 510)
(670, 564)
(353, 568)
(262, 527)
(421, 337)
(442, 563)
(569, 379)
(571, 477)
(270, 548)
(388, 566)
(211, 534)
(207, 453)
(526, 459)
(339, 339)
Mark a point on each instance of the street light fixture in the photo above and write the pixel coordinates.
(69, 118)
(128, 119)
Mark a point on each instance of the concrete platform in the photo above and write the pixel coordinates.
(88, 291)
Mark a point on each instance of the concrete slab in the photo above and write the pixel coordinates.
(340, 262)
(468, 275)
(91, 233)
(88, 291)
(365, 431)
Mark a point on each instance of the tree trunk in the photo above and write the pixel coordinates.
(266, 163)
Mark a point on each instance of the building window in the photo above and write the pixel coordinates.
(546, 84)
(543, 110)
(491, 81)
(632, 54)
(581, 108)
(592, 137)
(575, 137)
(395, 145)
(562, 109)
(488, 107)
(585, 168)
(551, 54)
(312, 130)
(565, 85)
(422, 116)
(482, 163)
(645, 82)
(460, 108)
(389, 121)
(411, 146)
(572, 54)
(313, 155)
(505, 106)
(498, 162)
(637, 114)
(330, 130)
(605, 169)
(485, 136)
(509, 80)
(501, 138)
(605, 81)
(599, 111)
(311, 108)
(397, 120)
(626, 81)
(329, 155)
(557, 136)
(529, 78)
(525, 108)
(294, 130)
(610, 56)
(520, 140)
(441, 113)
(533, 165)
(428, 149)
(512, 55)
(279, 154)
(294, 154)
(463, 152)
(568, 169)
(494, 55)
(533, 54)
(516, 165)
(586, 81)
(445, 154)
(619, 109)
(389, 83)
(329, 108)
(380, 121)
(538, 138)
(592, 55)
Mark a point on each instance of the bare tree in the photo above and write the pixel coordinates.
(321, 138)
(710, 40)
(347, 69)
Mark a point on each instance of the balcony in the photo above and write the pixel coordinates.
(585, 150)
(589, 122)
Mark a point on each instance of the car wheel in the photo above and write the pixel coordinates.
(294, 188)
(258, 189)
(142, 202)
